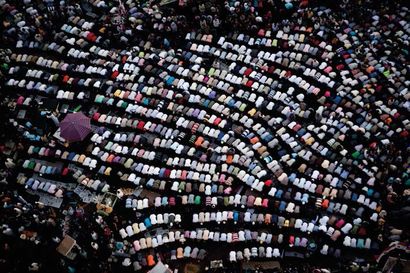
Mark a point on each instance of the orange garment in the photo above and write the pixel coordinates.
(150, 260)
(254, 140)
(199, 141)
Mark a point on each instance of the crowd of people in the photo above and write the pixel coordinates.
(223, 133)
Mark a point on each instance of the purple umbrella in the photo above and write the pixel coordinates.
(75, 127)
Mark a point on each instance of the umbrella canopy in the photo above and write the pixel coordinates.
(75, 127)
